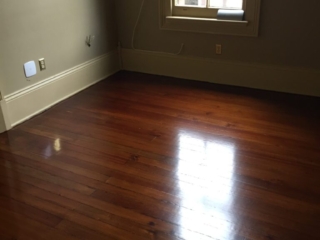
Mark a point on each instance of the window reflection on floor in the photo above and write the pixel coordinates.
(51, 148)
(57, 145)
(205, 173)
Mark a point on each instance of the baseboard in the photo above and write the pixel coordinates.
(30, 101)
(267, 77)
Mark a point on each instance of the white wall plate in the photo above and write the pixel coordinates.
(30, 69)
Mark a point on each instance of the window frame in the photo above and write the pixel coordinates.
(199, 11)
(171, 20)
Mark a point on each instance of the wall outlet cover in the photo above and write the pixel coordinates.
(30, 69)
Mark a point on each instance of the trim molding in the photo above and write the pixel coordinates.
(24, 104)
(267, 77)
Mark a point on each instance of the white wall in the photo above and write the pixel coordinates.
(286, 50)
(55, 30)
(288, 37)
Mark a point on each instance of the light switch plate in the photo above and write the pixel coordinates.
(30, 69)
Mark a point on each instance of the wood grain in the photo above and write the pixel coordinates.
(138, 156)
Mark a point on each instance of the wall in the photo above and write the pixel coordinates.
(289, 35)
(55, 30)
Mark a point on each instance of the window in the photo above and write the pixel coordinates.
(202, 16)
(237, 4)
(203, 8)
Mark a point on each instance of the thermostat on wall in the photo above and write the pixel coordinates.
(30, 69)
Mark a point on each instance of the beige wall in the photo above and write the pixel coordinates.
(52, 29)
(56, 30)
(289, 35)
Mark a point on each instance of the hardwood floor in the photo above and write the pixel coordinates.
(148, 157)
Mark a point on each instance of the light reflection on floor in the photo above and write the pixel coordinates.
(205, 172)
(57, 145)
(51, 149)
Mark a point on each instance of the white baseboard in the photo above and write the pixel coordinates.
(32, 100)
(267, 77)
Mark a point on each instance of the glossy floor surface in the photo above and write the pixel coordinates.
(147, 157)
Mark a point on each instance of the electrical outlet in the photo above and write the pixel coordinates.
(218, 49)
(42, 64)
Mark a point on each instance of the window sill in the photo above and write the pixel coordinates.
(174, 18)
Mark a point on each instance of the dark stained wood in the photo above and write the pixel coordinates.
(148, 157)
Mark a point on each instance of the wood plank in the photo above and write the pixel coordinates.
(29, 211)
(20, 227)
(149, 157)
(47, 193)
(23, 168)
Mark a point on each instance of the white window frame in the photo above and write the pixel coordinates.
(198, 11)
(173, 18)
